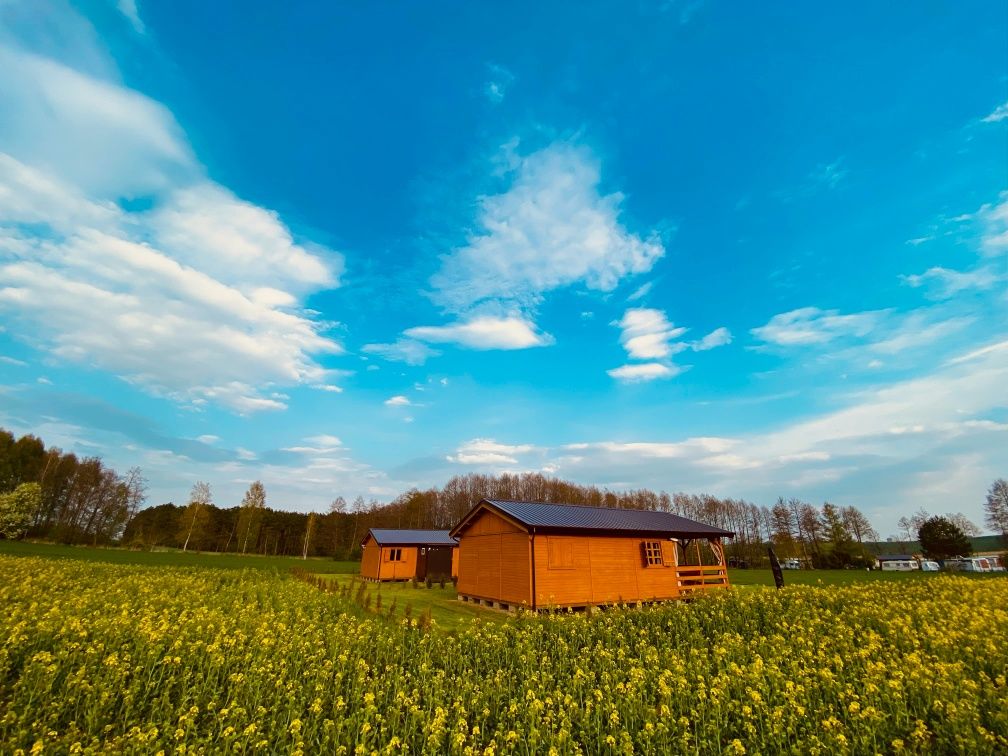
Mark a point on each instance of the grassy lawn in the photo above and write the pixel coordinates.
(173, 558)
(446, 610)
(837, 577)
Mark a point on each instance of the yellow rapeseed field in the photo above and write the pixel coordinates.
(103, 658)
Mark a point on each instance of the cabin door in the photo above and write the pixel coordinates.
(421, 562)
(439, 561)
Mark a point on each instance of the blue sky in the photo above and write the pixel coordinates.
(752, 250)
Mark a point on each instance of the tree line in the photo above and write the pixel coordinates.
(80, 500)
(62, 497)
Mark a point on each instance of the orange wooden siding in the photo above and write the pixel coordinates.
(455, 560)
(493, 561)
(376, 562)
(581, 570)
(369, 559)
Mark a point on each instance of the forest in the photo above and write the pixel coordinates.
(84, 501)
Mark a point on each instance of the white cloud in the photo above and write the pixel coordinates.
(647, 371)
(191, 297)
(129, 9)
(207, 438)
(647, 334)
(831, 174)
(328, 387)
(718, 337)
(397, 401)
(916, 331)
(497, 86)
(875, 452)
(552, 228)
(999, 113)
(486, 451)
(642, 291)
(108, 140)
(12, 361)
(810, 325)
(485, 332)
(251, 246)
(325, 441)
(994, 219)
(410, 351)
(944, 283)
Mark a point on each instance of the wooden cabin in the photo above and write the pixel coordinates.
(393, 554)
(527, 554)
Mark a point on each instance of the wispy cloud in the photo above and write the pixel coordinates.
(718, 337)
(129, 9)
(485, 332)
(486, 451)
(645, 371)
(496, 87)
(397, 401)
(830, 174)
(997, 115)
(410, 351)
(943, 283)
(640, 292)
(811, 325)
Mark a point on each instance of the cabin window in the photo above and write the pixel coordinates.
(561, 553)
(653, 554)
(393, 555)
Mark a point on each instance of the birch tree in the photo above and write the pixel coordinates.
(309, 528)
(252, 506)
(199, 499)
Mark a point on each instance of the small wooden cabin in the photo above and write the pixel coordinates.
(393, 554)
(517, 553)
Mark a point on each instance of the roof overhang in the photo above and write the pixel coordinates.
(399, 542)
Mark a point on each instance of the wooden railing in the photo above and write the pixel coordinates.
(694, 579)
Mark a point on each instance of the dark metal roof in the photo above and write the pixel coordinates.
(574, 517)
(896, 557)
(400, 537)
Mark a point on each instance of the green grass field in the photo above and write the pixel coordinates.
(446, 610)
(451, 614)
(173, 558)
(829, 577)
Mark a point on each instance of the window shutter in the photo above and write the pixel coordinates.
(668, 553)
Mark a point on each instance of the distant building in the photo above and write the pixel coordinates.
(518, 553)
(392, 554)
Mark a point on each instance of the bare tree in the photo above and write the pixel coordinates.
(964, 524)
(996, 508)
(858, 525)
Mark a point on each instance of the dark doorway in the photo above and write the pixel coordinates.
(434, 562)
